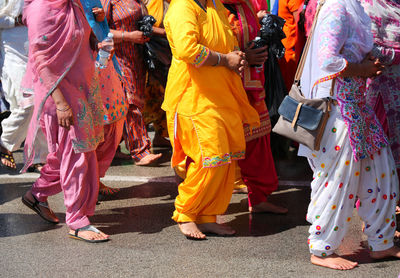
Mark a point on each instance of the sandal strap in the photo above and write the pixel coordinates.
(7, 156)
(87, 228)
(35, 201)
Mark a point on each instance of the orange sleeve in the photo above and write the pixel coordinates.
(294, 5)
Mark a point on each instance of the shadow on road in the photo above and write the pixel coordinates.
(144, 219)
(16, 224)
(262, 224)
(12, 191)
(146, 190)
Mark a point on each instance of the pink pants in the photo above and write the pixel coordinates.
(75, 174)
(258, 170)
(106, 150)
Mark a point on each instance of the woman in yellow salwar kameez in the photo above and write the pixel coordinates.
(206, 107)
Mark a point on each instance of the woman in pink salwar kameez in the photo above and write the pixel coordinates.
(68, 108)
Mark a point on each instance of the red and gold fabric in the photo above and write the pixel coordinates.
(245, 26)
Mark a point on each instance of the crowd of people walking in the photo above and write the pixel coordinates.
(71, 115)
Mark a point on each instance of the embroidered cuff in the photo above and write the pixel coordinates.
(201, 57)
(223, 159)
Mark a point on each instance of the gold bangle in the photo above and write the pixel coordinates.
(122, 36)
(64, 109)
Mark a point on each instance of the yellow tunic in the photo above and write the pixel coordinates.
(157, 9)
(193, 89)
(206, 107)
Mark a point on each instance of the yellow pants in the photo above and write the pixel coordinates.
(205, 192)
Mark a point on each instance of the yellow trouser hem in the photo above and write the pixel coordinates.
(198, 219)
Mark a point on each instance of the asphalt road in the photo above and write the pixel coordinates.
(147, 243)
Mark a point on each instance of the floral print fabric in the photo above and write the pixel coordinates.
(387, 13)
(339, 42)
(387, 85)
(365, 132)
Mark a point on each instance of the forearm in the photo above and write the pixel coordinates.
(352, 70)
(159, 32)
(59, 99)
(214, 60)
(366, 69)
(119, 36)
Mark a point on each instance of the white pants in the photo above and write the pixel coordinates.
(15, 127)
(338, 181)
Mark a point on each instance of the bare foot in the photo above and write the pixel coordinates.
(268, 207)
(240, 190)
(148, 159)
(397, 210)
(393, 251)
(190, 230)
(333, 261)
(90, 235)
(7, 158)
(215, 228)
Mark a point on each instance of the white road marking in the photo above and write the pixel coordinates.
(34, 176)
(138, 179)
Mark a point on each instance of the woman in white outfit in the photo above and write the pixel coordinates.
(14, 53)
(354, 160)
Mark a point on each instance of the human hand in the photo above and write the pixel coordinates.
(236, 61)
(370, 67)
(137, 37)
(64, 112)
(256, 56)
(261, 14)
(99, 14)
(112, 51)
(64, 115)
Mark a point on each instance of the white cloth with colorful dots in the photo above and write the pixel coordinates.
(339, 181)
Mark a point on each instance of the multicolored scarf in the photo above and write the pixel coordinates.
(385, 16)
(100, 29)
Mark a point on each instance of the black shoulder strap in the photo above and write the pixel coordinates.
(231, 8)
(200, 5)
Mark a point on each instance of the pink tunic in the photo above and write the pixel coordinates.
(60, 56)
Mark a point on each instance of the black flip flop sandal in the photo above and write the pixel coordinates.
(8, 157)
(87, 228)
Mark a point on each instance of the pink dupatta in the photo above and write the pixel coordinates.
(56, 33)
